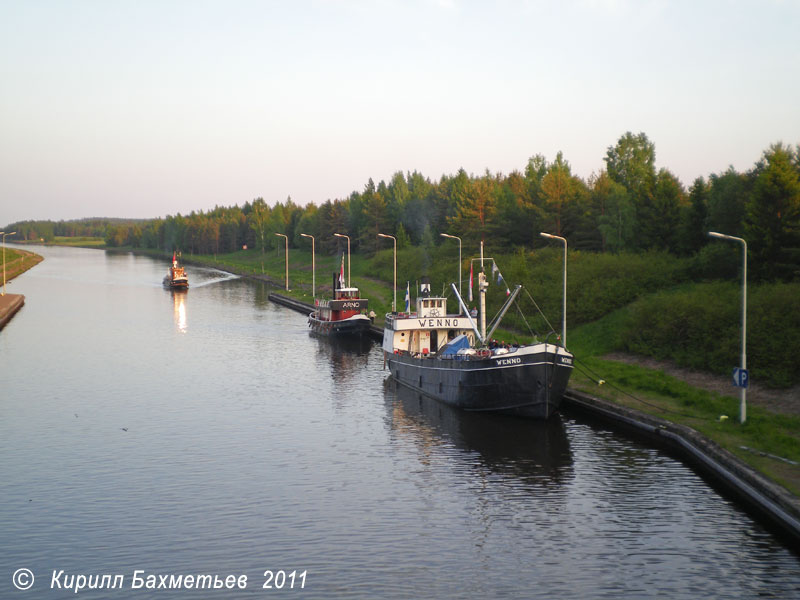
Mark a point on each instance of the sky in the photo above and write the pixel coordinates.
(148, 108)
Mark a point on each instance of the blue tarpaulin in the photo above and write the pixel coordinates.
(452, 347)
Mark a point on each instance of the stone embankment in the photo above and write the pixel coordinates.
(9, 305)
(763, 498)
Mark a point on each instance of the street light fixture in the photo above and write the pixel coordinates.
(4, 234)
(742, 388)
(286, 239)
(394, 241)
(564, 293)
(313, 265)
(341, 235)
(455, 237)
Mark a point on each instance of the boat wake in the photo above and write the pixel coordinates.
(216, 277)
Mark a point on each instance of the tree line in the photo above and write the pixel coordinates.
(47, 231)
(628, 206)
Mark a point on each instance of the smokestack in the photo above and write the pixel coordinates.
(425, 287)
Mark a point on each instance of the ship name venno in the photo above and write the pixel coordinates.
(508, 361)
(438, 323)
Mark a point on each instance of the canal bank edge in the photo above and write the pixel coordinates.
(9, 305)
(763, 498)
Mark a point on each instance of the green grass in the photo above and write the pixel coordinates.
(699, 326)
(17, 262)
(79, 241)
(654, 392)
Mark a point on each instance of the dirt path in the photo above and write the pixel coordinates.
(786, 401)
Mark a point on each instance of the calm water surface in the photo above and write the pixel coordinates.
(207, 432)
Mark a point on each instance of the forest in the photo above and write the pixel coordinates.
(638, 243)
(628, 207)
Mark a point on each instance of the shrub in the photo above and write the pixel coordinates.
(699, 326)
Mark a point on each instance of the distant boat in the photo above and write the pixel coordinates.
(176, 276)
(342, 315)
(446, 357)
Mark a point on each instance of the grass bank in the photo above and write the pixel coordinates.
(713, 414)
(79, 241)
(699, 326)
(19, 261)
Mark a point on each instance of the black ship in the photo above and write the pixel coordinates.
(448, 358)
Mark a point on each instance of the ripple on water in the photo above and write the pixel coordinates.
(212, 433)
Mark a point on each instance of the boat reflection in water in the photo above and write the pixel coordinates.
(179, 309)
(536, 451)
(344, 354)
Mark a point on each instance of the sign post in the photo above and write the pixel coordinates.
(741, 378)
(740, 374)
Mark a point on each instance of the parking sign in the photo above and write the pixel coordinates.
(741, 378)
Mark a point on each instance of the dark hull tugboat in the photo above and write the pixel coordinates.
(343, 315)
(176, 278)
(448, 358)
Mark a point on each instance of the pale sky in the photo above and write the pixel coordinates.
(144, 108)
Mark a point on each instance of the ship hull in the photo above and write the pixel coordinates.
(176, 284)
(528, 382)
(352, 327)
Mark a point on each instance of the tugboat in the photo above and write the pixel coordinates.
(343, 315)
(176, 276)
(448, 358)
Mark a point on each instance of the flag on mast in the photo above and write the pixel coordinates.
(408, 297)
(503, 281)
(341, 273)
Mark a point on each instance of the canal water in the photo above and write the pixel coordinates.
(146, 433)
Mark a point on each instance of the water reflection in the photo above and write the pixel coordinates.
(289, 451)
(179, 309)
(531, 450)
(345, 355)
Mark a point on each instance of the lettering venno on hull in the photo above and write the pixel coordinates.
(508, 361)
(431, 323)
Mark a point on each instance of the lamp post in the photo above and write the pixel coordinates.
(394, 241)
(455, 237)
(4, 234)
(742, 388)
(313, 265)
(564, 293)
(286, 239)
(341, 235)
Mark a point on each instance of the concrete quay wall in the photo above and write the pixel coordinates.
(9, 305)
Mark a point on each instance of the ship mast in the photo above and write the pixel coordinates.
(482, 287)
(467, 315)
